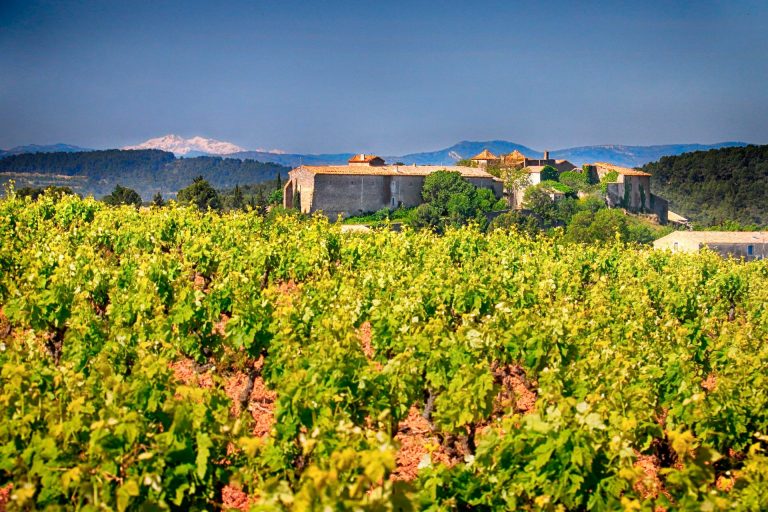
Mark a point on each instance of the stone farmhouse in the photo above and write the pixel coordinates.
(367, 184)
(750, 245)
(518, 160)
(631, 190)
(534, 167)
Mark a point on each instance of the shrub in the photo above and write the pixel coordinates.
(549, 173)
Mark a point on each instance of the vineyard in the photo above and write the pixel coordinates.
(169, 359)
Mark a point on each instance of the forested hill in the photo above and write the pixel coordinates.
(146, 171)
(711, 187)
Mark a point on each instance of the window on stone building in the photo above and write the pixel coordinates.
(750, 250)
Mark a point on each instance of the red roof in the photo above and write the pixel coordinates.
(485, 155)
(362, 158)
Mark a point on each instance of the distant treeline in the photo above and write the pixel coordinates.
(147, 171)
(717, 186)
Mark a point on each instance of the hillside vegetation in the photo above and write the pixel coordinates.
(165, 358)
(147, 171)
(717, 186)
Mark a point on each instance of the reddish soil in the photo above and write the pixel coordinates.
(417, 440)
(286, 291)
(199, 282)
(650, 485)
(234, 498)
(725, 483)
(261, 401)
(364, 334)
(5, 496)
(517, 393)
(221, 326)
(710, 383)
(5, 325)
(185, 370)
(661, 418)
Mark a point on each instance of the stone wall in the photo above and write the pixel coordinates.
(759, 250)
(630, 192)
(348, 195)
(300, 186)
(679, 242)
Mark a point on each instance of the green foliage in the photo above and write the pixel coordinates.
(256, 196)
(516, 220)
(453, 201)
(716, 186)
(35, 192)
(516, 178)
(146, 171)
(201, 194)
(549, 173)
(556, 186)
(157, 200)
(122, 195)
(384, 216)
(576, 180)
(621, 352)
(610, 177)
(607, 224)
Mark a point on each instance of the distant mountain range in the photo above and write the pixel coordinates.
(195, 146)
(34, 148)
(628, 156)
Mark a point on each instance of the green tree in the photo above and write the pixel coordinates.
(276, 196)
(201, 194)
(35, 192)
(426, 216)
(440, 186)
(523, 223)
(237, 201)
(158, 200)
(454, 200)
(576, 180)
(604, 225)
(537, 199)
(549, 173)
(123, 195)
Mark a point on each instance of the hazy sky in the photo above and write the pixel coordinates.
(383, 76)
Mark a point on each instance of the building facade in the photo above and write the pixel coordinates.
(358, 189)
(631, 190)
(750, 245)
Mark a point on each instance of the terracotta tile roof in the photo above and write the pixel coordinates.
(395, 170)
(626, 171)
(362, 158)
(485, 155)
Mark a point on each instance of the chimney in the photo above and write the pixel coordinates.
(546, 155)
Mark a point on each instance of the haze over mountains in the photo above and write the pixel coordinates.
(629, 156)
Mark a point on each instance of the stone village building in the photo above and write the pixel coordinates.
(750, 245)
(631, 190)
(367, 184)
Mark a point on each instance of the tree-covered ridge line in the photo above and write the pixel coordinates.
(717, 186)
(148, 172)
(168, 358)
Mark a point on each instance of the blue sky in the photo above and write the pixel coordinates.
(388, 77)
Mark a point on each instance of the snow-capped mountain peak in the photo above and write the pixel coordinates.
(181, 146)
